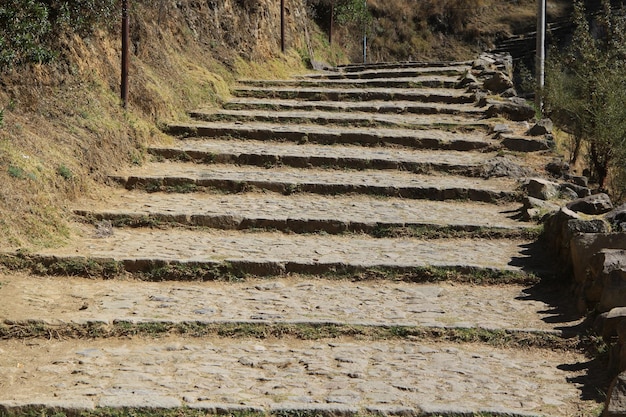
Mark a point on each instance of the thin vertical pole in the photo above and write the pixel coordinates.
(332, 22)
(365, 34)
(541, 53)
(125, 36)
(282, 25)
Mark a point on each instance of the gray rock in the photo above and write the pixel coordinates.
(542, 127)
(594, 204)
(617, 217)
(578, 180)
(541, 188)
(580, 191)
(583, 246)
(522, 144)
(557, 167)
(567, 193)
(615, 405)
(512, 109)
(614, 293)
(535, 208)
(501, 128)
(503, 167)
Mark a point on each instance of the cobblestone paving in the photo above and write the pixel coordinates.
(284, 300)
(352, 374)
(347, 210)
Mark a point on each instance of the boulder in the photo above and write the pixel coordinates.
(579, 191)
(535, 208)
(614, 292)
(513, 109)
(555, 227)
(615, 405)
(606, 323)
(542, 127)
(578, 180)
(501, 166)
(593, 204)
(541, 189)
(501, 128)
(521, 144)
(617, 218)
(583, 246)
(557, 167)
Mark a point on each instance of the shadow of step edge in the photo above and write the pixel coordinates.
(305, 226)
(152, 269)
(417, 139)
(314, 94)
(423, 82)
(306, 161)
(387, 107)
(188, 184)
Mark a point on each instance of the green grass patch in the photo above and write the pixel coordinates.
(298, 331)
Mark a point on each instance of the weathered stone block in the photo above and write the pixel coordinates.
(542, 189)
(614, 293)
(542, 127)
(616, 398)
(584, 246)
(593, 204)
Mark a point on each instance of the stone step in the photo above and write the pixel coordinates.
(328, 135)
(306, 213)
(452, 70)
(341, 119)
(400, 65)
(419, 81)
(307, 155)
(378, 107)
(65, 302)
(209, 254)
(181, 375)
(424, 95)
(185, 177)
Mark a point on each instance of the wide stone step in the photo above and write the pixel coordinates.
(341, 119)
(306, 213)
(328, 135)
(278, 377)
(63, 302)
(378, 107)
(186, 177)
(420, 81)
(266, 154)
(175, 254)
(453, 70)
(400, 65)
(424, 95)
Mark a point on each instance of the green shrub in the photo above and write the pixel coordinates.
(30, 29)
(586, 91)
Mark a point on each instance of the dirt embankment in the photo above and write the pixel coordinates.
(63, 129)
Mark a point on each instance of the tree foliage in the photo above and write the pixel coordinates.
(30, 29)
(586, 91)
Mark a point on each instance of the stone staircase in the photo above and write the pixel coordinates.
(335, 244)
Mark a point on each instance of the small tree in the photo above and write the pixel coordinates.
(586, 90)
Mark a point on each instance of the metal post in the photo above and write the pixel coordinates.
(125, 36)
(332, 22)
(282, 25)
(541, 53)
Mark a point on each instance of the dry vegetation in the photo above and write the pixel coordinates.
(63, 129)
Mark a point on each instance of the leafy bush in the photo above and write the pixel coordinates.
(586, 91)
(30, 29)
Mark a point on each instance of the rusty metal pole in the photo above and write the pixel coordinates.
(332, 22)
(125, 36)
(282, 26)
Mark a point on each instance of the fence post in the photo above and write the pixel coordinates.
(282, 26)
(125, 36)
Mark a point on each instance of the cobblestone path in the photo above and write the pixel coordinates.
(335, 244)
